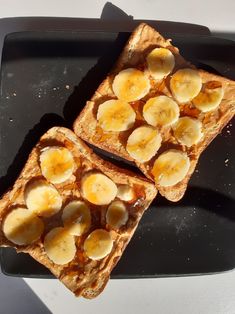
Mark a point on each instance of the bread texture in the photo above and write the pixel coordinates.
(83, 276)
(141, 42)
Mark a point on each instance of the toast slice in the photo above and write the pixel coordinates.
(142, 41)
(83, 271)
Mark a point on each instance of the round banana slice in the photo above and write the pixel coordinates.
(76, 217)
(57, 164)
(160, 62)
(143, 143)
(116, 115)
(185, 84)
(188, 131)
(125, 192)
(161, 111)
(42, 198)
(98, 189)
(117, 215)
(98, 244)
(131, 85)
(210, 96)
(22, 227)
(170, 167)
(60, 246)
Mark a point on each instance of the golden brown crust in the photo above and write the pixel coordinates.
(90, 278)
(142, 40)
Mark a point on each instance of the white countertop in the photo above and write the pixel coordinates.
(213, 294)
(216, 14)
(203, 294)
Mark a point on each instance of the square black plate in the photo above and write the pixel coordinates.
(46, 77)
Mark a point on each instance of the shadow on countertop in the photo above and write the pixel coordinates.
(17, 297)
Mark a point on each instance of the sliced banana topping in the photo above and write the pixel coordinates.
(143, 143)
(170, 167)
(60, 246)
(57, 164)
(161, 111)
(42, 198)
(98, 189)
(131, 84)
(116, 115)
(210, 96)
(188, 131)
(125, 192)
(160, 62)
(22, 227)
(98, 244)
(185, 84)
(117, 215)
(76, 217)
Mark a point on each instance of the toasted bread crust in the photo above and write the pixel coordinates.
(143, 40)
(90, 282)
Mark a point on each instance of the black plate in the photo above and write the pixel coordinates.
(46, 78)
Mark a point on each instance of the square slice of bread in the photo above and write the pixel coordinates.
(141, 42)
(83, 276)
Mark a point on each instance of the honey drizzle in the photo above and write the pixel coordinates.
(100, 135)
(189, 110)
(138, 107)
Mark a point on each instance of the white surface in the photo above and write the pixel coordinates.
(207, 294)
(216, 14)
(214, 294)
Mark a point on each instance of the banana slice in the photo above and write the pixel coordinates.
(143, 143)
(116, 115)
(60, 246)
(185, 84)
(161, 111)
(188, 131)
(76, 217)
(98, 244)
(42, 198)
(170, 167)
(160, 62)
(22, 227)
(125, 192)
(117, 215)
(57, 164)
(98, 189)
(130, 85)
(210, 96)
